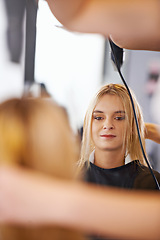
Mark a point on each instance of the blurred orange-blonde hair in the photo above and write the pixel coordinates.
(35, 134)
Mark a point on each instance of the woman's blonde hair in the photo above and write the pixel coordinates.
(131, 141)
(35, 133)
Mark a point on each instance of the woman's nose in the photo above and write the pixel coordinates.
(108, 125)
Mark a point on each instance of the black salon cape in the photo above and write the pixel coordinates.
(130, 176)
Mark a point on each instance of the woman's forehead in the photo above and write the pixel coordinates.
(109, 102)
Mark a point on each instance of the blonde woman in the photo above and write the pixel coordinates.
(110, 138)
(35, 134)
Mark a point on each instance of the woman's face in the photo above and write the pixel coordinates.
(108, 124)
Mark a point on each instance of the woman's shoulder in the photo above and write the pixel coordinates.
(144, 178)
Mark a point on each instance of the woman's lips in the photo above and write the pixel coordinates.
(108, 136)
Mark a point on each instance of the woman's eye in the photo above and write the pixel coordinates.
(98, 118)
(120, 118)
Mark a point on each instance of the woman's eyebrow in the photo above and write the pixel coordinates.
(119, 111)
(97, 111)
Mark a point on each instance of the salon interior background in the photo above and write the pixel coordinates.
(73, 66)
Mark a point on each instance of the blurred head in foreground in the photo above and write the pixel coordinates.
(35, 134)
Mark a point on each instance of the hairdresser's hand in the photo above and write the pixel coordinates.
(22, 195)
(124, 20)
(152, 132)
(28, 197)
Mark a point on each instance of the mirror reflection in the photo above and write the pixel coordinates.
(72, 66)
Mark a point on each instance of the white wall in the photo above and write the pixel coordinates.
(70, 64)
